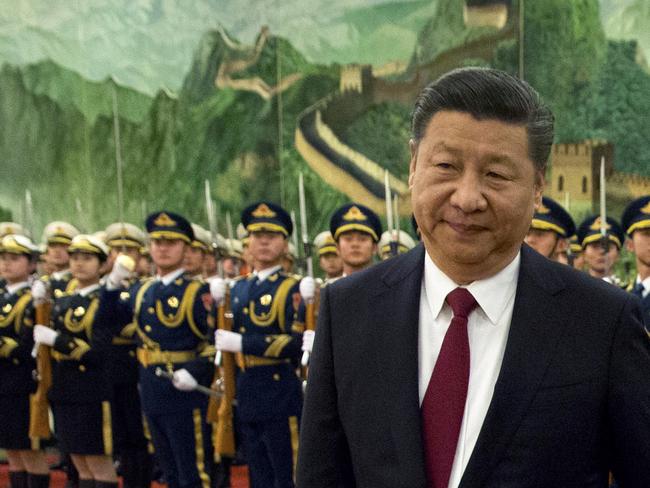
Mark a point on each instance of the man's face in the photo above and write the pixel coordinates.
(356, 248)
(230, 266)
(267, 248)
(168, 253)
(210, 264)
(543, 241)
(85, 267)
(474, 191)
(331, 264)
(598, 260)
(57, 254)
(639, 244)
(194, 259)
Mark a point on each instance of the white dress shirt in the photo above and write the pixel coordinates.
(169, 277)
(265, 273)
(14, 288)
(87, 290)
(488, 327)
(646, 285)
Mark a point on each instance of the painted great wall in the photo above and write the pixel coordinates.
(361, 86)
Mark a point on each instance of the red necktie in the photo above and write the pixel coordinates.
(444, 400)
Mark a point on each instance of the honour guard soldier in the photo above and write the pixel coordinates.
(129, 441)
(356, 230)
(550, 230)
(144, 265)
(217, 249)
(80, 393)
(232, 261)
(172, 318)
(267, 338)
(57, 236)
(243, 237)
(577, 259)
(636, 222)
(404, 244)
(600, 256)
(195, 255)
(328, 257)
(27, 465)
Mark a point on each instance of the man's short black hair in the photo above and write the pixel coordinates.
(487, 93)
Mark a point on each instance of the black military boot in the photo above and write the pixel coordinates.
(38, 480)
(18, 479)
(86, 483)
(106, 484)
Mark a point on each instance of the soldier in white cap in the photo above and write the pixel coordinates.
(200, 246)
(81, 390)
(27, 465)
(129, 441)
(57, 236)
(328, 257)
(404, 244)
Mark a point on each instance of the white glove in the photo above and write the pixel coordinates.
(228, 341)
(44, 335)
(218, 290)
(183, 380)
(39, 292)
(307, 288)
(308, 340)
(122, 269)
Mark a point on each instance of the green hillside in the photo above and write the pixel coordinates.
(62, 153)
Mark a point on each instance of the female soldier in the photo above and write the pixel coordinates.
(80, 390)
(27, 465)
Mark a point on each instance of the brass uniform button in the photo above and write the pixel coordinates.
(15, 361)
(242, 329)
(268, 339)
(276, 377)
(245, 310)
(132, 354)
(150, 310)
(147, 328)
(82, 368)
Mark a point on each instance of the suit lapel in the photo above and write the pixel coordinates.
(395, 314)
(537, 324)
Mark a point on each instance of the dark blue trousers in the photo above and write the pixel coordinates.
(183, 445)
(270, 449)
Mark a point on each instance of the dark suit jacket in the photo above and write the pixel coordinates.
(571, 402)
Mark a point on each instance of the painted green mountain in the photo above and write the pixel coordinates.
(57, 138)
(63, 154)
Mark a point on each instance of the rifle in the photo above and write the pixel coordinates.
(225, 437)
(222, 414)
(39, 421)
(394, 241)
(310, 308)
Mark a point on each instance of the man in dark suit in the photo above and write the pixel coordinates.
(472, 361)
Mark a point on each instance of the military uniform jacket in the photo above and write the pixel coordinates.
(60, 283)
(123, 366)
(176, 318)
(268, 314)
(16, 342)
(80, 352)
